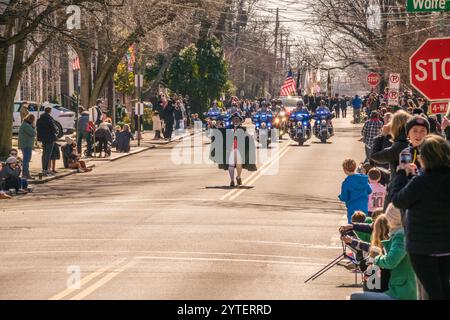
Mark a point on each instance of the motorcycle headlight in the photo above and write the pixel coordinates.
(214, 123)
(263, 125)
(299, 124)
(324, 122)
(277, 120)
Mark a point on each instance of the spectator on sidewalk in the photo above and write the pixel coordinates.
(156, 120)
(104, 137)
(355, 189)
(56, 155)
(383, 141)
(46, 133)
(426, 202)
(10, 175)
(178, 115)
(72, 158)
(402, 282)
(124, 139)
(24, 112)
(84, 133)
(27, 135)
(357, 105)
(417, 129)
(370, 130)
(391, 155)
(376, 198)
(169, 119)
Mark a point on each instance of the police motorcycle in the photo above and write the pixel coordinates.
(214, 119)
(323, 127)
(281, 120)
(263, 121)
(300, 124)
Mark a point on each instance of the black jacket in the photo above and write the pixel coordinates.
(426, 201)
(46, 130)
(167, 114)
(391, 154)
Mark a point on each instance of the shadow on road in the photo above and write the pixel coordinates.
(229, 188)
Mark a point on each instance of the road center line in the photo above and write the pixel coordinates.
(102, 281)
(86, 279)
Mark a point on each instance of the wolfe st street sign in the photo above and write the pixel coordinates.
(427, 5)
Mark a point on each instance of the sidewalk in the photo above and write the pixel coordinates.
(146, 143)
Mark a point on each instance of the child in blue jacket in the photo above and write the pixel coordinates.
(355, 190)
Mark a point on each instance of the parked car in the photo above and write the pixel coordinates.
(64, 118)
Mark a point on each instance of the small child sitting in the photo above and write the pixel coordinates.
(355, 189)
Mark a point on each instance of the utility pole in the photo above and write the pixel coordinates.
(281, 51)
(272, 77)
(287, 53)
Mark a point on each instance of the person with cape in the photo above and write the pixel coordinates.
(233, 149)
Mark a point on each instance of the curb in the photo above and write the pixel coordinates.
(176, 139)
(122, 155)
(63, 175)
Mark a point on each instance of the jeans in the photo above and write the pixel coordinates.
(357, 115)
(368, 152)
(103, 144)
(27, 152)
(433, 273)
(168, 130)
(370, 296)
(86, 136)
(344, 112)
(47, 154)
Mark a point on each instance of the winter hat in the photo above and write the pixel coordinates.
(417, 121)
(394, 217)
(11, 160)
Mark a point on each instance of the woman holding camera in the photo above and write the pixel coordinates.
(426, 201)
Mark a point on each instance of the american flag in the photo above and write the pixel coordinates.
(288, 87)
(76, 64)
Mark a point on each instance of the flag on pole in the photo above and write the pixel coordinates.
(307, 84)
(76, 64)
(288, 87)
(299, 89)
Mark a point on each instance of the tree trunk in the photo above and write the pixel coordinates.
(7, 95)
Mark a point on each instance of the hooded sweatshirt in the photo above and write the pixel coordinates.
(355, 193)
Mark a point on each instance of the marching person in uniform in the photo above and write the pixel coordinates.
(233, 149)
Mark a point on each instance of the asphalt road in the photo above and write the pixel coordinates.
(145, 227)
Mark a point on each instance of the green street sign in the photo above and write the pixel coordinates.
(427, 5)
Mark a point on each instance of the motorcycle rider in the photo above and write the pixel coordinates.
(323, 111)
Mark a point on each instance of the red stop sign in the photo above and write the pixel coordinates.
(373, 79)
(430, 69)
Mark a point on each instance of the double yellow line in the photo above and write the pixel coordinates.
(119, 266)
(233, 194)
